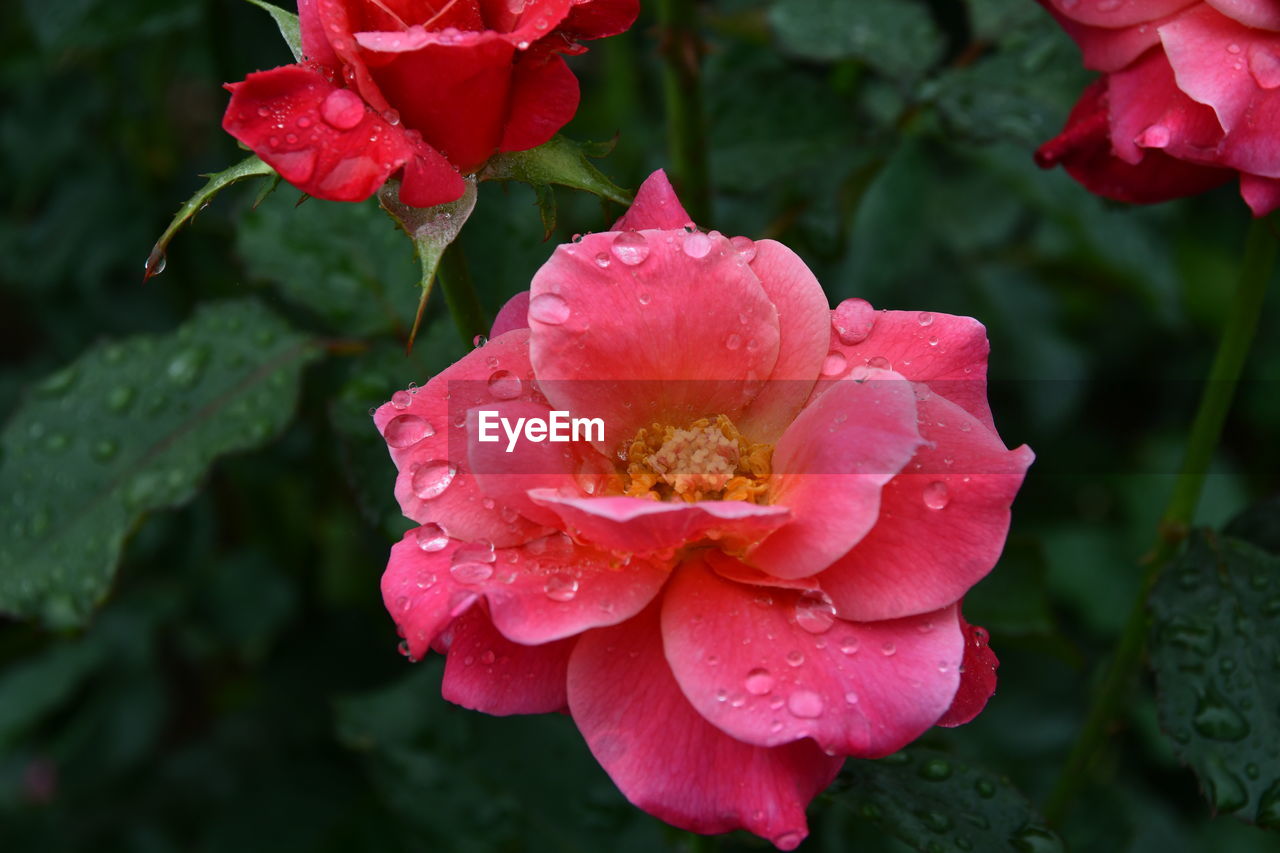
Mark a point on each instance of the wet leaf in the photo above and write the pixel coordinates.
(560, 161)
(130, 427)
(1214, 648)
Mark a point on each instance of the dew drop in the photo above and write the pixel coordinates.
(401, 399)
(759, 682)
(936, 495)
(431, 537)
(1264, 65)
(407, 430)
(795, 657)
(697, 245)
(471, 572)
(834, 364)
(631, 248)
(849, 646)
(504, 385)
(733, 342)
(548, 308)
(1216, 719)
(342, 109)
(815, 612)
(745, 247)
(603, 260)
(560, 588)
(430, 479)
(805, 704)
(853, 320)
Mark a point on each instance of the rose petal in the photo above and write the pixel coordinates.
(513, 315)
(773, 670)
(637, 525)
(977, 677)
(1116, 13)
(650, 342)
(544, 96)
(671, 762)
(656, 206)
(829, 468)
(804, 320)
(942, 525)
(1263, 14)
(1261, 194)
(428, 437)
(595, 19)
(487, 672)
(539, 593)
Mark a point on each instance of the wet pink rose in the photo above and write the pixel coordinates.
(422, 89)
(1188, 99)
(754, 569)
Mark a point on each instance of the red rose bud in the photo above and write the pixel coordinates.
(426, 89)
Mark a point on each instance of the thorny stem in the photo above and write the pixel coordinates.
(1175, 523)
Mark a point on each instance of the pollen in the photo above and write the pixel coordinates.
(707, 460)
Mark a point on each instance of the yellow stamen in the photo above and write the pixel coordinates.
(707, 460)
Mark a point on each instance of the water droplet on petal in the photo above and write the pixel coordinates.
(430, 479)
(1264, 65)
(759, 682)
(471, 572)
(401, 399)
(504, 385)
(815, 612)
(631, 248)
(697, 245)
(795, 657)
(805, 704)
(745, 247)
(342, 109)
(407, 430)
(888, 649)
(853, 320)
(733, 342)
(431, 537)
(849, 646)
(603, 260)
(560, 588)
(548, 308)
(834, 364)
(937, 495)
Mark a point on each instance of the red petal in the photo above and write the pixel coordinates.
(544, 96)
(487, 672)
(977, 677)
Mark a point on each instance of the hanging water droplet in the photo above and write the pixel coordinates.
(759, 682)
(505, 385)
(430, 479)
(155, 263)
(407, 430)
(937, 495)
(401, 399)
(631, 248)
(548, 308)
(805, 704)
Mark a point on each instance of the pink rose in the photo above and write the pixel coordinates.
(1188, 99)
(419, 88)
(755, 569)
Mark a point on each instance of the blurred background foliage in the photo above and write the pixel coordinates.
(239, 687)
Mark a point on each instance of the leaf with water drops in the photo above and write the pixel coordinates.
(250, 167)
(288, 24)
(935, 802)
(1215, 648)
(898, 38)
(130, 427)
(560, 161)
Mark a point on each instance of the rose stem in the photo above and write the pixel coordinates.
(1175, 523)
(686, 125)
(460, 294)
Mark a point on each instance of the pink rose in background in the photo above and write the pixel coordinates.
(1188, 99)
(757, 570)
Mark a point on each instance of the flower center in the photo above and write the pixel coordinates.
(707, 460)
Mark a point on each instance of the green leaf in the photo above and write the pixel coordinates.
(560, 161)
(898, 38)
(345, 262)
(1215, 648)
(288, 24)
(934, 802)
(250, 167)
(127, 428)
